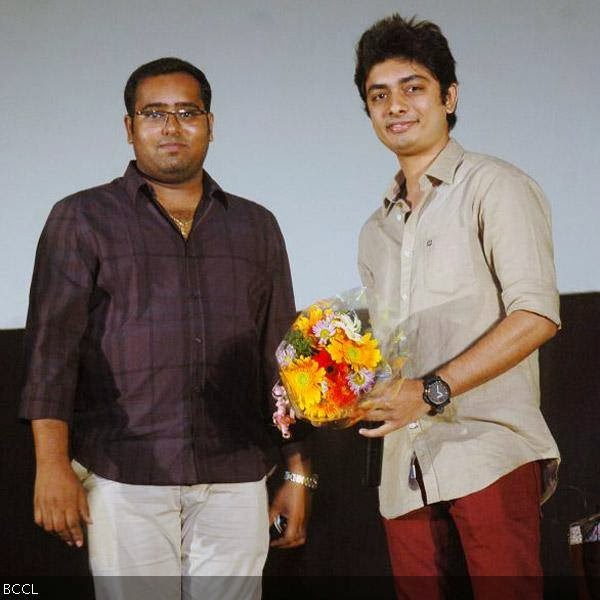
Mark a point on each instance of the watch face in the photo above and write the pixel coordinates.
(437, 392)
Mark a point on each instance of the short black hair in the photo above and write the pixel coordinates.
(420, 41)
(165, 66)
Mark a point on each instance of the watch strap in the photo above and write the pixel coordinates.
(309, 481)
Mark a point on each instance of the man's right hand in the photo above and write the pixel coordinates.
(60, 504)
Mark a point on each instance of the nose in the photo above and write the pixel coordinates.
(398, 103)
(171, 123)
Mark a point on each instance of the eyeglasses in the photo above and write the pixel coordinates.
(184, 116)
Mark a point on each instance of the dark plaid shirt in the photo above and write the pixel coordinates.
(159, 352)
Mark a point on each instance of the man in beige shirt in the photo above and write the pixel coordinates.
(460, 256)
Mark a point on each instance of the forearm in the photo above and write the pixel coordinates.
(515, 337)
(503, 347)
(59, 502)
(292, 500)
(296, 459)
(51, 439)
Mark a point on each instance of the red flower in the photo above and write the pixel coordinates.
(324, 360)
(338, 390)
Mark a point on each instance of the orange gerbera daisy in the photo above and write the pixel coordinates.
(357, 354)
(340, 395)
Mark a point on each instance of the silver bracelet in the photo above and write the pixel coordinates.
(309, 481)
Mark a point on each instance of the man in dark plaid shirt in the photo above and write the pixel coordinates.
(156, 306)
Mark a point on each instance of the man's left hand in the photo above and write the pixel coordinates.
(397, 403)
(292, 500)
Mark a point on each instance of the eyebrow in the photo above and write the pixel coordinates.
(401, 81)
(177, 105)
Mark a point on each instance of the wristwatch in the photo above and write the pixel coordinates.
(436, 392)
(309, 481)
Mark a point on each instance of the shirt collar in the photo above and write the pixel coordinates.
(213, 190)
(443, 168)
(133, 181)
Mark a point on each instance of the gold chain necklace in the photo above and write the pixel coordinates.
(184, 226)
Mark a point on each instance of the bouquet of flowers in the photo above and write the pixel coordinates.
(328, 362)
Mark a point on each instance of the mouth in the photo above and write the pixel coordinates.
(171, 146)
(400, 126)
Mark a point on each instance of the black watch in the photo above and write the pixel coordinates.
(436, 392)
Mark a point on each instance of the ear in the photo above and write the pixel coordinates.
(128, 121)
(451, 99)
(211, 121)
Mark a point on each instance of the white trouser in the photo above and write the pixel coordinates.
(203, 541)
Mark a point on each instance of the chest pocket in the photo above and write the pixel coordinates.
(448, 264)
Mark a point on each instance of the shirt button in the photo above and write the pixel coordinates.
(413, 425)
(399, 217)
(198, 340)
(407, 253)
(405, 297)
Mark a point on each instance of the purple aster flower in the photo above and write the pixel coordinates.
(324, 330)
(285, 354)
(361, 381)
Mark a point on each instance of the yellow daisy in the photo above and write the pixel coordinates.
(310, 317)
(302, 324)
(324, 411)
(302, 378)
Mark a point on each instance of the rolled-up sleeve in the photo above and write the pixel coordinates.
(515, 222)
(58, 313)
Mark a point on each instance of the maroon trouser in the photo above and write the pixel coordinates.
(487, 542)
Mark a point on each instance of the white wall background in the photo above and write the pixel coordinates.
(290, 132)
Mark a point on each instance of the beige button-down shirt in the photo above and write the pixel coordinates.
(477, 247)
